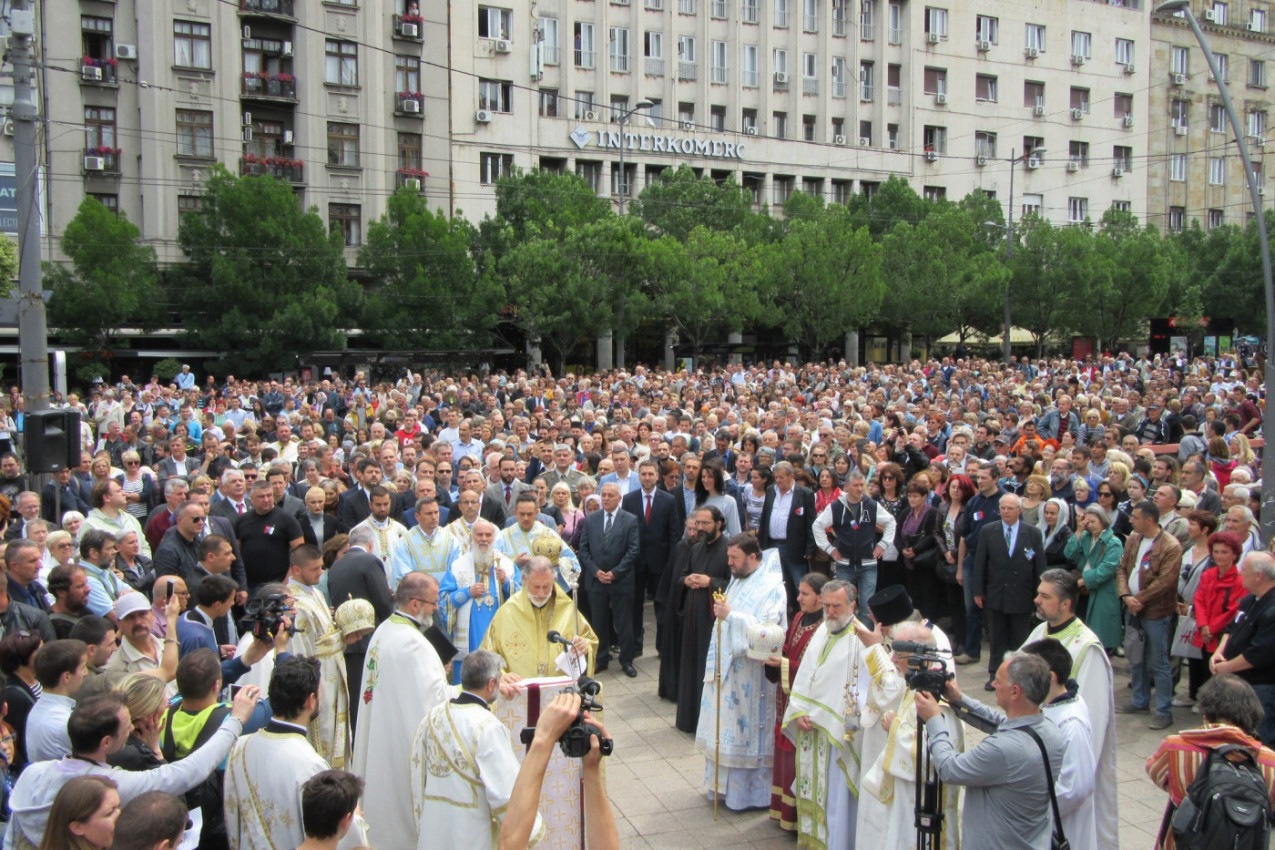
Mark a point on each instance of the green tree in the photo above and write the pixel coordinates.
(112, 280)
(894, 200)
(428, 291)
(265, 281)
(1050, 266)
(1233, 287)
(1129, 282)
(542, 204)
(678, 202)
(8, 264)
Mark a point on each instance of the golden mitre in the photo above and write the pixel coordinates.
(547, 546)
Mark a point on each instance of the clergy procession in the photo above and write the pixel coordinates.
(417, 638)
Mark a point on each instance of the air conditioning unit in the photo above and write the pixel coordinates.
(1073, 166)
(1128, 121)
(91, 73)
(1077, 58)
(752, 131)
(1118, 171)
(413, 183)
(246, 32)
(984, 46)
(940, 99)
(127, 52)
(502, 46)
(409, 30)
(1038, 111)
(781, 78)
(931, 156)
(409, 104)
(1032, 52)
(1178, 79)
(1179, 129)
(287, 49)
(288, 137)
(932, 38)
(838, 140)
(1210, 16)
(1129, 68)
(1033, 163)
(8, 128)
(590, 115)
(864, 141)
(483, 116)
(1259, 142)
(1077, 114)
(686, 125)
(94, 163)
(247, 134)
(247, 119)
(981, 159)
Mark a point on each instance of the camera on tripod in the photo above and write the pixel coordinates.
(575, 741)
(263, 616)
(927, 668)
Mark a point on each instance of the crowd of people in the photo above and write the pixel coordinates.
(302, 613)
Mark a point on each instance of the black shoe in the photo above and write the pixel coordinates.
(629, 670)
(989, 686)
(600, 668)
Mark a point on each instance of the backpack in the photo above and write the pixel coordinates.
(1227, 805)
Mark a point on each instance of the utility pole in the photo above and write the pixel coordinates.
(33, 332)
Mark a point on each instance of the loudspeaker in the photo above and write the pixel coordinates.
(52, 440)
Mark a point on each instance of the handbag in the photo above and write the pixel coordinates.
(1181, 646)
(1135, 642)
(1057, 841)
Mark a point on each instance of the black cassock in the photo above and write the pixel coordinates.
(695, 612)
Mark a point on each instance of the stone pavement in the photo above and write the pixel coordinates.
(654, 778)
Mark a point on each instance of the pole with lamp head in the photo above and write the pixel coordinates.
(1009, 245)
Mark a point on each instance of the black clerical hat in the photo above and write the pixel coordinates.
(890, 605)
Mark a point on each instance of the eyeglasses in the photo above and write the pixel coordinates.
(196, 518)
(132, 463)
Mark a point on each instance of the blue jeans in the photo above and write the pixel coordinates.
(794, 572)
(973, 615)
(863, 577)
(1157, 660)
(1266, 729)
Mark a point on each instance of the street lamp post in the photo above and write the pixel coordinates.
(606, 342)
(624, 119)
(1009, 244)
(1268, 453)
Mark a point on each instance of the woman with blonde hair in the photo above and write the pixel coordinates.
(1035, 493)
(147, 703)
(572, 517)
(83, 815)
(139, 486)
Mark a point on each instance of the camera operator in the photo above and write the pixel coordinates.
(1007, 796)
(888, 792)
(520, 816)
(448, 771)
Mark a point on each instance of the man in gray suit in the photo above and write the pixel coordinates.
(507, 489)
(1007, 568)
(608, 555)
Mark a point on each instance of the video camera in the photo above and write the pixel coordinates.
(927, 668)
(575, 741)
(263, 616)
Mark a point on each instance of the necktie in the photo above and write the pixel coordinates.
(509, 490)
(647, 517)
(607, 528)
(1009, 537)
(239, 508)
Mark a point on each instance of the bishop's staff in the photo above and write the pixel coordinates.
(719, 596)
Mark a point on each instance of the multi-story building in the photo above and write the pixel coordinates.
(349, 102)
(1194, 169)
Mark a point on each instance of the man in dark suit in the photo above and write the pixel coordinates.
(684, 493)
(609, 557)
(507, 490)
(493, 509)
(360, 575)
(1007, 568)
(658, 532)
(787, 522)
(722, 451)
(355, 504)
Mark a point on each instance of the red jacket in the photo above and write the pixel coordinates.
(1216, 600)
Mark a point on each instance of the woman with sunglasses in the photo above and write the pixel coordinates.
(139, 486)
(891, 496)
(1106, 498)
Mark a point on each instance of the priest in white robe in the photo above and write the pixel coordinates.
(426, 548)
(515, 542)
(887, 791)
(266, 770)
(825, 717)
(472, 591)
(746, 747)
(1056, 598)
(387, 532)
(463, 765)
(318, 635)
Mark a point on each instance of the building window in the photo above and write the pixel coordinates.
(409, 152)
(1257, 124)
(584, 104)
(97, 41)
(812, 186)
(343, 144)
(1223, 66)
(781, 14)
(192, 45)
(1031, 144)
(748, 11)
(1216, 218)
(1257, 20)
(780, 61)
(1081, 44)
(988, 29)
(867, 81)
(686, 48)
(347, 220)
(189, 204)
(896, 23)
(1217, 171)
(1217, 118)
(936, 21)
(494, 166)
(494, 22)
(934, 194)
(342, 63)
(867, 20)
(748, 66)
(618, 50)
(869, 189)
(1180, 60)
(717, 118)
(548, 103)
(807, 128)
(1123, 157)
(619, 106)
(985, 144)
(935, 81)
(407, 75)
(783, 188)
(1078, 152)
(985, 87)
(588, 171)
(111, 202)
(1077, 210)
(549, 40)
(1035, 37)
(779, 125)
(1033, 93)
(1124, 51)
(622, 181)
(1179, 113)
(1080, 99)
(892, 136)
(1177, 167)
(496, 95)
(718, 59)
(810, 15)
(748, 121)
(1219, 13)
(1032, 204)
(934, 139)
(194, 133)
(686, 7)
(841, 192)
(1177, 219)
(1257, 73)
(584, 50)
(686, 114)
(1123, 105)
(838, 76)
(99, 128)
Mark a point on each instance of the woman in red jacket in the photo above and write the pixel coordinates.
(1220, 591)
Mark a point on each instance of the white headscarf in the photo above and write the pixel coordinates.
(1064, 515)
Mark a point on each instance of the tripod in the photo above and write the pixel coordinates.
(929, 796)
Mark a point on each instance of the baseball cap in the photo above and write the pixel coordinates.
(130, 603)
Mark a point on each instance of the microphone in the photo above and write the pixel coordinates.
(556, 637)
(914, 648)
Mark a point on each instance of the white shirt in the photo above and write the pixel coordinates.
(1135, 575)
(46, 735)
(779, 514)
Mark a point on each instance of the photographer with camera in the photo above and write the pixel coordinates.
(521, 817)
(1008, 784)
(468, 785)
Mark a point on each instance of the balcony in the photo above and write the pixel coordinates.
(809, 85)
(101, 160)
(411, 178)
(409, 27)
(275, 87)
(655, 67)
(98, 72)
(687, 71)
(894, 95)
(410, 103)
(267, 9)
(292, 170)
